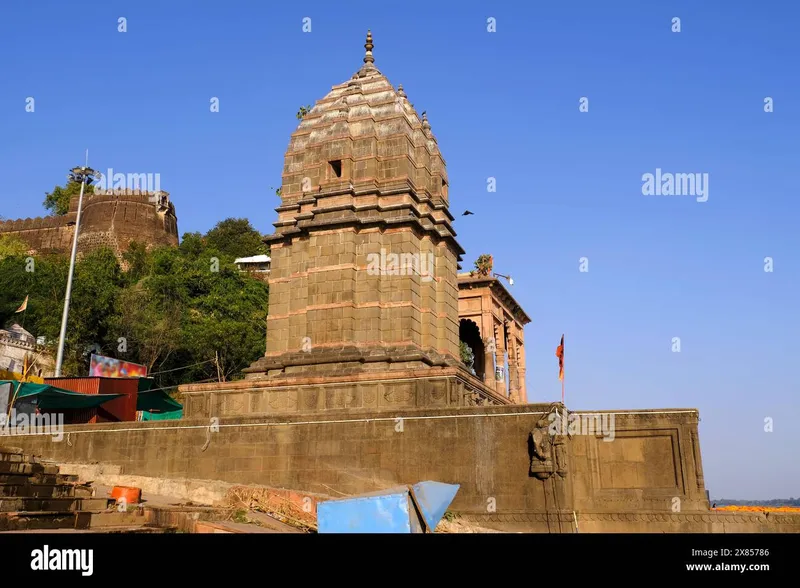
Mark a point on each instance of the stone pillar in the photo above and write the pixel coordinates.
(500, 339)
(513, 366)
(489, 347)
(523, 390)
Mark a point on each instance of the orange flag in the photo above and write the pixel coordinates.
(560, 356)
(23, 307)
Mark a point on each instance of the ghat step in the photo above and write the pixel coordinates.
(34, 496)
(104, 530)
(27, 468)
(49, 520)
(24, 489)
(30, 504)
(13, 454)
(38, 479)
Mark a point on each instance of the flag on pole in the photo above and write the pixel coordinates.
(23, 307)
(560, 356)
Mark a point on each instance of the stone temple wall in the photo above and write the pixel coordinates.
(332, 270)
(109, 219)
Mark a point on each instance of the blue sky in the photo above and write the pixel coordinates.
(502, 105)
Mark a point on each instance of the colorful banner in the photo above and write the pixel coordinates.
(107, 367)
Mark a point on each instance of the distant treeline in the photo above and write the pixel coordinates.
(772, 502)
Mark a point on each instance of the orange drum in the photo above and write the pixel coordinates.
(129, 494)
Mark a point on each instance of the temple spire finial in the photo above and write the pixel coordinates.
(368, 46)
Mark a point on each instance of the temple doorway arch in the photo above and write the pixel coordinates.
(469, 333)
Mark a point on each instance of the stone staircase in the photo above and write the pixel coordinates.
(34, 496)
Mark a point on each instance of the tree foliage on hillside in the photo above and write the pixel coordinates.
(57, 201)
(236, 237)
(187, 313)
(11, 245)
(774, 502)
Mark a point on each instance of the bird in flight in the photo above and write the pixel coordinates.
(467, 213)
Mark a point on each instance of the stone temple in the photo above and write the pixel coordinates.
(363, 180)
(362, 387)
(364, 292)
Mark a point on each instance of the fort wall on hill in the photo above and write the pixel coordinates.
(113, 218)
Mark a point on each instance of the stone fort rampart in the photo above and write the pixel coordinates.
(112, 218)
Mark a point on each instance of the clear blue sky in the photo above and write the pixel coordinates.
(502, 105)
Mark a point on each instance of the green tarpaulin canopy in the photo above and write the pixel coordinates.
(154, 400)
(162, 416)
(53, 398)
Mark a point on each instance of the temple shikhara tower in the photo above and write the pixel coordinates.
(363, 181)
(363, 282)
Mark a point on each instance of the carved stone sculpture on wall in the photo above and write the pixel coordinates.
(548, 451)
(541, 451)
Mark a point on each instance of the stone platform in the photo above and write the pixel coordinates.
(309, 392)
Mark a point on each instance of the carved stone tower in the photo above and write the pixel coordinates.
(364, 256)
(363, 301)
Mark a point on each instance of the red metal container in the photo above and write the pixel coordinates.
(130, 494)
(119, 409)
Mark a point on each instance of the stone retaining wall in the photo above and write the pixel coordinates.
(648, 478)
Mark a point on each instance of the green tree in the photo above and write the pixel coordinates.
(223, 311)
(227, 321)
(43, 280)
(236, 237)
(138, 261)
(192, 245)
(94, 310)
(57, 201)
(150, 326)
(11, 245)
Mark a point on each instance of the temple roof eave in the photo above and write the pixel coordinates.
(466, 282)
